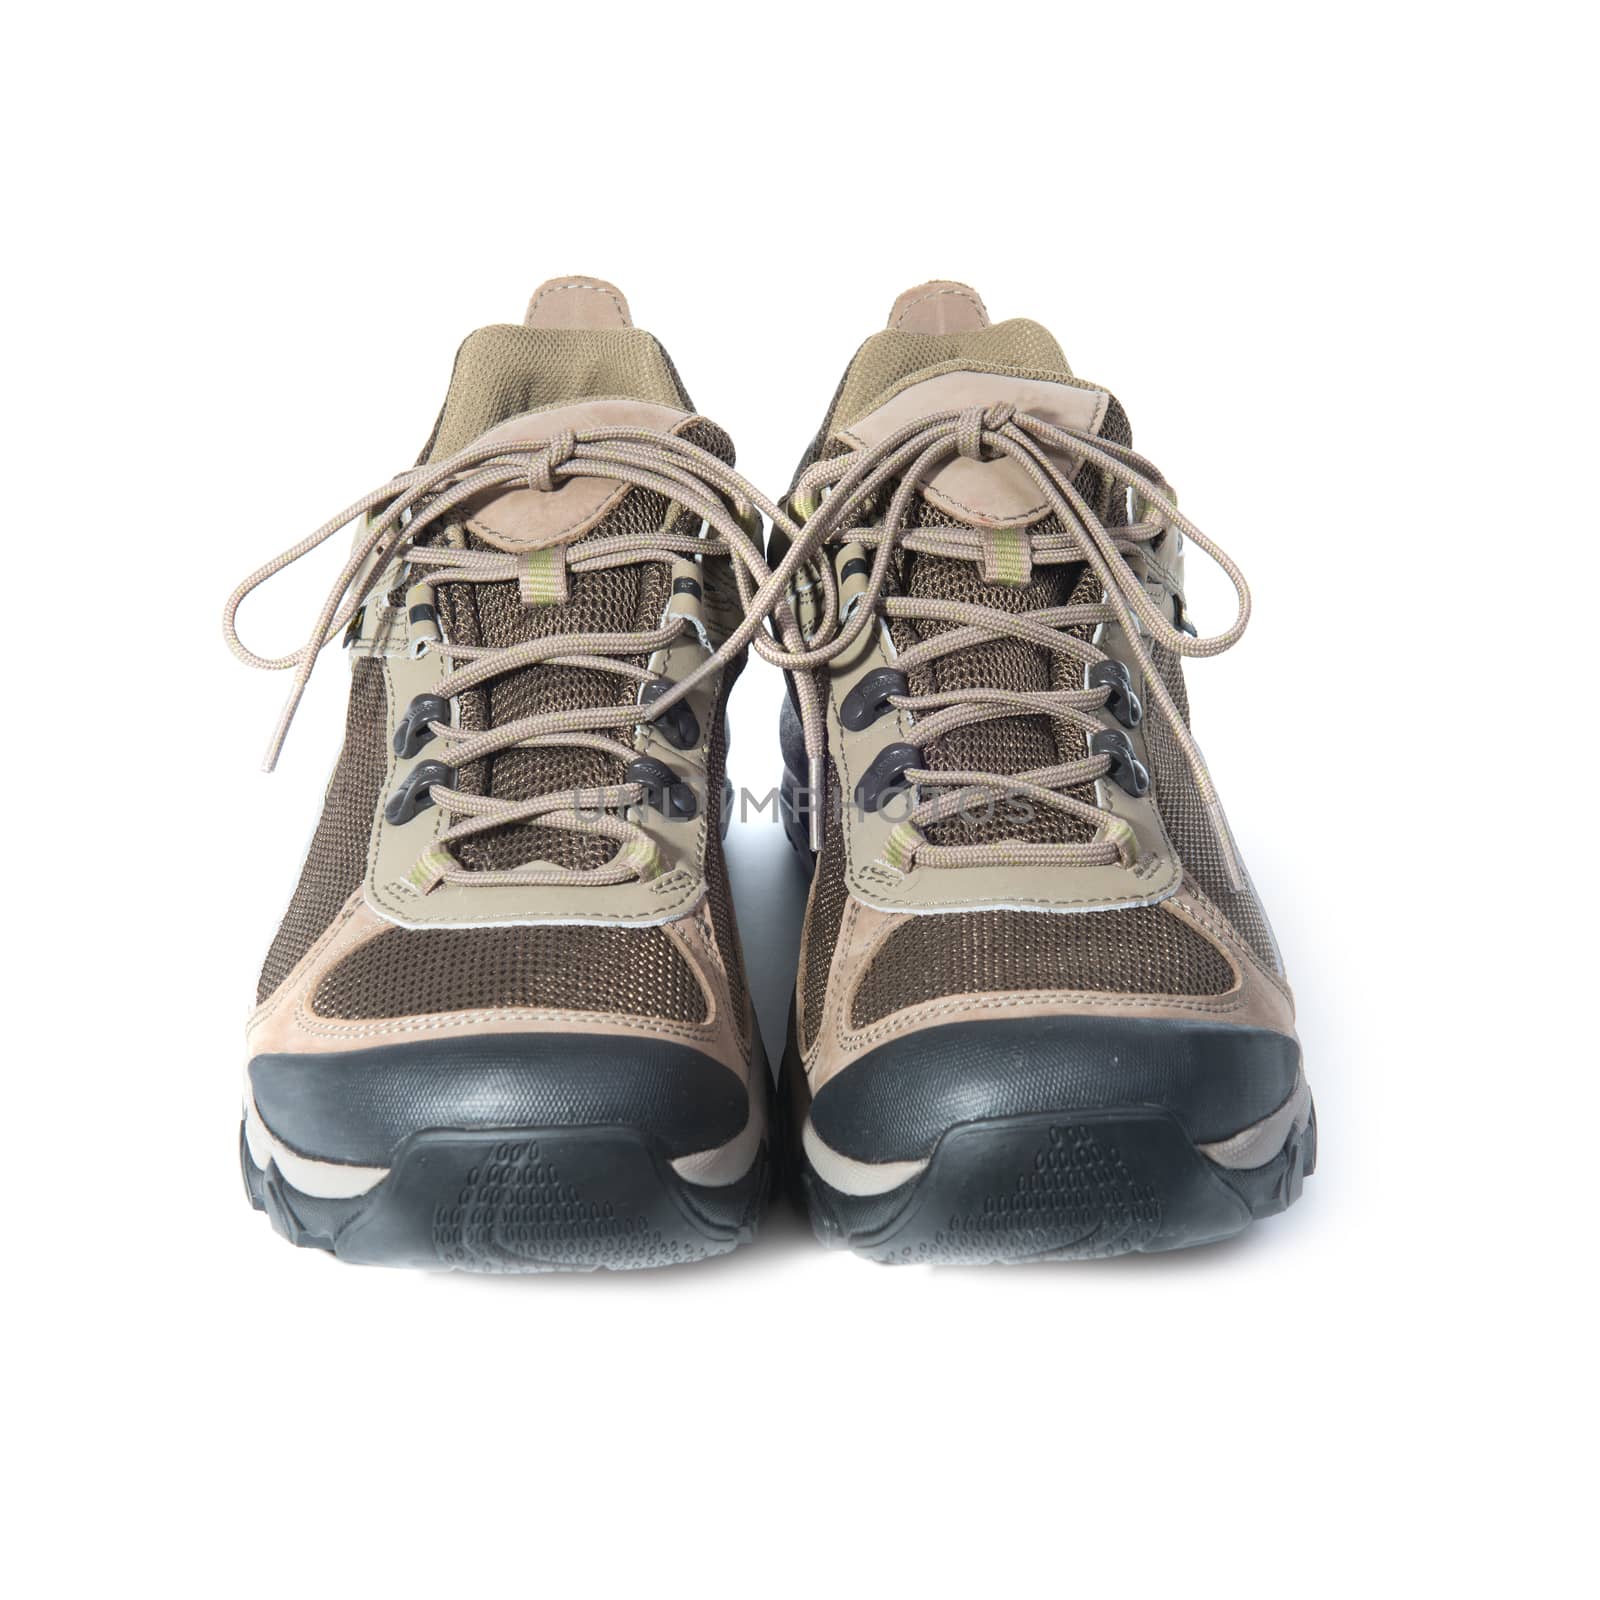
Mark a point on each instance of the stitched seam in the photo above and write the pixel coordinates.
(485, 529)
(274, 1001)
(969, 295)
(863, 962)
(687, 935)
(621, 919)
(1162, 889)
(1076, 1000)
(309, 1023)
(846, 1039)
(832, 1001)
(944, 499)
(589, 288)
(1200, 911)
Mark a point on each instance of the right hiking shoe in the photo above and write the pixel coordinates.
(1040, 1013)
(504, 1023)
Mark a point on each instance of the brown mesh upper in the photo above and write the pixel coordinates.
(499, 373)
(1141, 950)
(406, 971)
(337, 860)
(1144, 950)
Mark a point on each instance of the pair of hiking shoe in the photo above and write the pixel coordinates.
(1039, 1012)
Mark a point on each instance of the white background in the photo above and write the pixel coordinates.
(1337, 262)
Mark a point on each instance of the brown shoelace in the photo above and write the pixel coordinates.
(404, 509)
(827, 498)
(831, 494)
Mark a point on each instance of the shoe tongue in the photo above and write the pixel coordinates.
(576, 362)
(578, 344)
(940, 328)
(940, 353)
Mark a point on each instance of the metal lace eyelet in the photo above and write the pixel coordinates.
(412, 731)
(1123, 703)
(678, 725)
(887, 775)
(869, 700)
(1127, 771)
(663, 788)
(416, 791)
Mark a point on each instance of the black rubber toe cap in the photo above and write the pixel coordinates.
(359, 1106)
(896, 1102)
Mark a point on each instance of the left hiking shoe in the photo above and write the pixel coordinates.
(504, 1023)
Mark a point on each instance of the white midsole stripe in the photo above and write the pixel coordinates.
(325, 1180)
(1250, 1147)
(728, 1163)
(850, 1176)
(336, 1180)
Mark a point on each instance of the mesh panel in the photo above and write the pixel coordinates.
(824, 913)
(405, 972)
(1187, 824)
(1143, 950)
(890, 358)
(337, 860)
(505, 370)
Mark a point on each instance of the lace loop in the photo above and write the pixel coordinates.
(556, 453)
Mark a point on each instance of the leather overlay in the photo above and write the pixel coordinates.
(985, 494)
(938, 307)
(518, 520)
(1257, 1000)
(286, 1024)
(578, 302)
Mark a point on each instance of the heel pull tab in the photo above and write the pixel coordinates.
(938, 307)
(578, 303)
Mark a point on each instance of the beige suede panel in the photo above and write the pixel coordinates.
(1257, 1000)
(286, 1024)
(578, 302)
(518, 520)
(942, 306)
(984, 494)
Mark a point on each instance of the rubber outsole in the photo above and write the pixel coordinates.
(520, 1200)
(1047, 1186)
